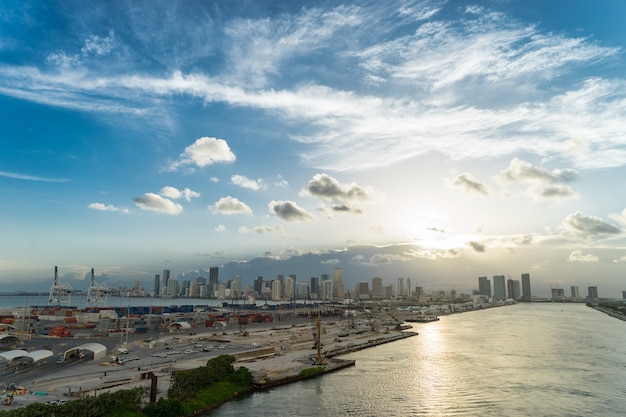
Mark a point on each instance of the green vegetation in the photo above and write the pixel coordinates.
(309, 372)
(614, 305)
(191, 390)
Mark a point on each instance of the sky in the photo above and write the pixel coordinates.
(430, 139)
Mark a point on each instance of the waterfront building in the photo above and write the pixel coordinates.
(514, 289)
(289, 289)
(201, 281)
(258, 284)
(574, 291)
(377, 288)
(526, 294)
(277, 290)
(338, 289)
(419, 291)
(592, 292)
(173, 289)
(213, 281)
(484, 286)
(407, 289)
(165, 279)
(156, 286)
(558, 294)
(193, 290)
(499, 288)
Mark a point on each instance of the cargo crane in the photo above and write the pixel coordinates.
(60, 293)
(96, 294)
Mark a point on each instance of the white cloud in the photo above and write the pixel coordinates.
(154, 202)
(245, 182)
(175, 193)
(467, 182)
(577, 256)
(230, 205)
(589, 226)
(220, 228)
(204, 151)
(107, 207)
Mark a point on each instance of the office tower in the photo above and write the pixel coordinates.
(484, 286)
(407, 289)
(338, 290)
(499, 288)
(290, 288)
(193, 290)
(557, 294)
(235, 287)
(574, 291)
(388, 292)
(526, 294)
(277, 290)
(400, 293)
(326, 290)
(303, 290)
(592, 292)
(213, 281)
(172, 287)
(363, 290)
(377, 288)
(258, 284)
(201, 281)
(165, 279)
(513, 288)
(419, 291)
(157, 284)
(315, 288)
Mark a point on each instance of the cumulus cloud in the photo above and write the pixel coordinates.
(204, 151)
(478, 247)
(230, 205)
(577, 256)
(342, 196)
(467, 182)
(220, 228)
(248, 183)
(263, 230)
(107, 207)
(289, 211)
(589, 226)
(333, 261)
(154, 202)
(522, 171)
(175, 193)
(554, 191)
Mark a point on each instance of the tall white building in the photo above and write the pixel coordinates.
(338, 289)
(277, 290)
(377, 288)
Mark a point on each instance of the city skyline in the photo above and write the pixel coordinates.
(424, 139)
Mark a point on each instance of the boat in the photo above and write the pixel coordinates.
(422, 319)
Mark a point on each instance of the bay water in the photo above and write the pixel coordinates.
(528, 359)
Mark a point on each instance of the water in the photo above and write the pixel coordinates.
(536, 359)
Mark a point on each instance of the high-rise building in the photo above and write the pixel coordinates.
(165, 279)
(258, 284)
(592, 292)
(277, 290)
(624, 294)
(400, 287)
(157, 284)
(363, 290)
(172, 287)
(326, 290)
(526, 294)
(314, 288)
(557, 294)
(213, 281)
(484, 286)
(513, 288)
(377, 288)
(574, 291)
(499, 288)
(235, 287)
(388, 292)
(338, 290)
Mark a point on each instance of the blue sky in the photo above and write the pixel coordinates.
(434, 140)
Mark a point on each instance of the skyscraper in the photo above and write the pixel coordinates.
(574, 291)
(592, 292)
(165, 279)
(484, 286)
(377, 288)
(338, 290)
(526, 295)
(499, 288)
(213, 280)
(157, 284)
(513, 288)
